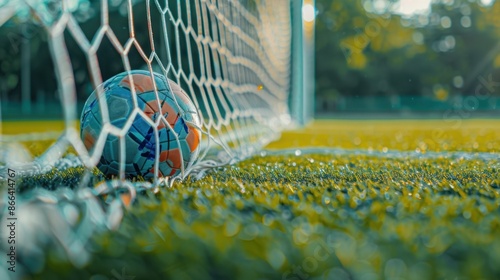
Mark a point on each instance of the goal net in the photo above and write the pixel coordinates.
(232, 58)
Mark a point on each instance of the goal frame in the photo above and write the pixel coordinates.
(302, 64)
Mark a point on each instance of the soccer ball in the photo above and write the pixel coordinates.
(179, 143)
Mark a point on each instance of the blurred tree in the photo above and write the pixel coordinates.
(367, 49)
(43, 80)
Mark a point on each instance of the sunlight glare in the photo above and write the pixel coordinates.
(308, 12)
(486, 2)
(411, 7)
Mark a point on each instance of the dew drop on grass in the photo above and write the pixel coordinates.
(231, 228)
(467, 215)
(326, 200)
(275, 258)
(267, 219)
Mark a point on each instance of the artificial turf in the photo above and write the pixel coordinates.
(393, 200)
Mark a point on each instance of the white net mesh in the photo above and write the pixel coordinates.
(232, 58)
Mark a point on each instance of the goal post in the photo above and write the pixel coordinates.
(303, 64)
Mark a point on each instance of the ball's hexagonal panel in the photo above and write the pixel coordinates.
(119, 109)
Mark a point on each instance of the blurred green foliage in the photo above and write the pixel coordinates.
(29, 31)
(368, 50)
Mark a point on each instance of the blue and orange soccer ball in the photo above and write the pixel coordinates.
(176, 149)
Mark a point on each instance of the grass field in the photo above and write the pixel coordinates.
(387, 200)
